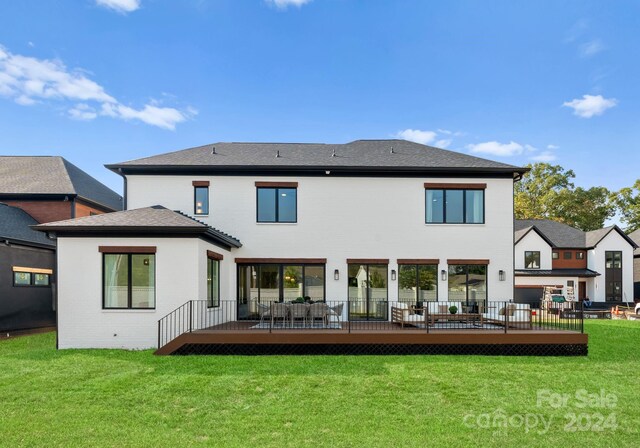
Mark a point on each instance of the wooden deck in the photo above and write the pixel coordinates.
(373, 338)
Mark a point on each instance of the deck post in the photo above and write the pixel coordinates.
(506, 318)
(348, 315)
(190, 315)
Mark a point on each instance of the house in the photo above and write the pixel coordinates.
(27, 261)
(35, 190)
(50, 188)
(597, 265)
(635, 236)
(239, 225)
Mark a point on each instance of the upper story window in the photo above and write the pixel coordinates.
(555, 255)
(31, 276)
(566, 255)
(201, 197)
(277, 201)
(579, 255)
(532, 260)
(454, 203)
(128, 277)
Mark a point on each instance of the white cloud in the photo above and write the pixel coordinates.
(591, 48)
(497, 149)
(284, 4)
(418, 136)
(121, 6)
(544, 156)
(590, 105)
(552, 147)
(29, 80)
(443, 143)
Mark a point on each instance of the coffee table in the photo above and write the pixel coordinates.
(461, 317)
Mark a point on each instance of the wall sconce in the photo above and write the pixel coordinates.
(501, 275)
(336, 275)
(393, 275)
(443, 275)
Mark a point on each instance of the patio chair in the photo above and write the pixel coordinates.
(299, 311)
(279, 311)
(317, 311)
(334, 313)
(404, 314)
(264, 310)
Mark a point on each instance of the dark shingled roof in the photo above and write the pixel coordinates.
(149, 220)
(555, 273)
(15, 226)
(635, 236)
(29, 175)
(357, 154)
(561, 235)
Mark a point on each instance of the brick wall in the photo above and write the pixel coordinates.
(44, 211)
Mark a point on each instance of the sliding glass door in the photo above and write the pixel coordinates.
(368, 294)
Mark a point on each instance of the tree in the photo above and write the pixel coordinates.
(627, 202)
(546, 192)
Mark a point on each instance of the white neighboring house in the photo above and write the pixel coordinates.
(598, 265)
(312, 220)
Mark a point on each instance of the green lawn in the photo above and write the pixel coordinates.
(118, 398)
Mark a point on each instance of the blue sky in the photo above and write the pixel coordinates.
(103, 81)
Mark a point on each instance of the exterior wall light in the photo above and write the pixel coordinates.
(501, 275)
(393, 275)
(336, 275)
(443, 275)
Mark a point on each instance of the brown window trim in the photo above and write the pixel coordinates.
(367, 261)
(214, 255)
(277, 184)
(438, 186)
(281, 260)
(127, 249)
(418, 261)
(469, 261)
(200, 183)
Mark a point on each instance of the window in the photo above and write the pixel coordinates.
(31, 276)
(129, 280)
(454, 206)
(555, 255)
(417, 283)
(201, 198)
(213, 282)
(277, 205)
(468, 284)
(613, 276)
(368, 292)
(532, 260)
(566, 255)
(579, 255)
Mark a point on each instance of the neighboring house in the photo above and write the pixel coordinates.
(27, 261)
(50, 188)
(598, 265)
(635, 236)
(38, 189)
(372, 221)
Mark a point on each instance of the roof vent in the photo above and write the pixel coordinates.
(277, 154)
(334, 153)
(213, 150)
(391, 152)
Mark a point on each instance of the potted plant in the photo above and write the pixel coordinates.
(453, 309)
(299, 300)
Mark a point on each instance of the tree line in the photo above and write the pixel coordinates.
(547, 192)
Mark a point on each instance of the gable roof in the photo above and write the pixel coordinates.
(635, 237)
(52, 175)
(361, 155)
(561, 235)
(152, 221)
(521, 233)
(15, 226)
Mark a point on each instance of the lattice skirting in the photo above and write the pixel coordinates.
(385, 349)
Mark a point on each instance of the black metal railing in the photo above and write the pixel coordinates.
(366, 316)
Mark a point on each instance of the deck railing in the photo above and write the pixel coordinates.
(361, 316)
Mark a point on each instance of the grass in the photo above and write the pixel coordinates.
(118, 398)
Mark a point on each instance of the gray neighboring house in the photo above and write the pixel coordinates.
(27, 261)
(635, 236)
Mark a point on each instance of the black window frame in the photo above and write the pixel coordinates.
(567, 255)
(531, 252)
(580, 255)
(418, 289)
(466, 271)
(129, 282)
(32, 280)
(213, 304)
(195, 200)
(464, 205)
(555, 255)
(277, 205)
(281, 266)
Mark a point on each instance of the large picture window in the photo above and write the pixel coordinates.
(277, 204)
(129, 281)
(417, 283)
(468, 284)
(613, 276)
(532, 260)
(454, 206)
